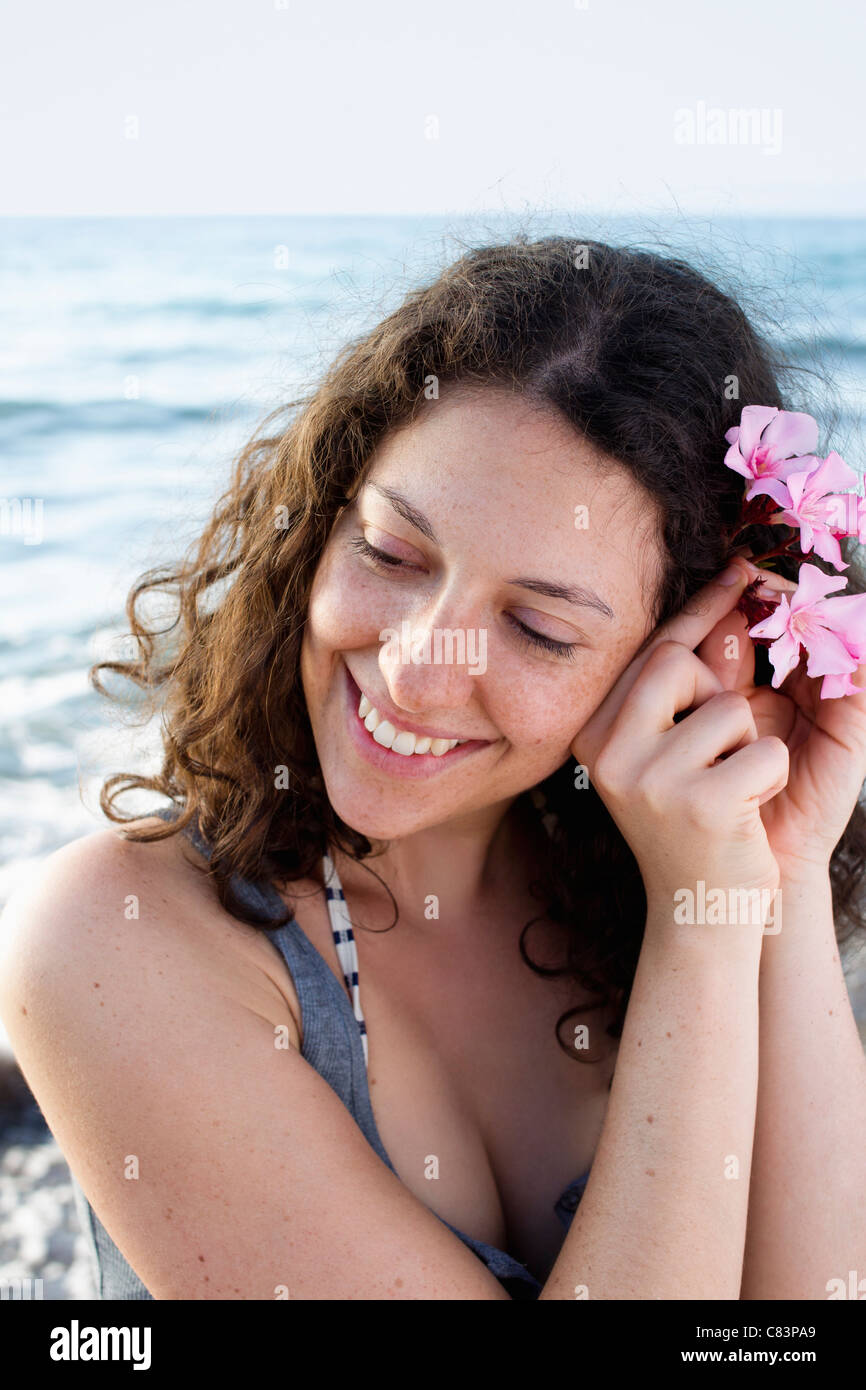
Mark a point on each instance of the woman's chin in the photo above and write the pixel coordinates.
(367, 817)
(374, 826)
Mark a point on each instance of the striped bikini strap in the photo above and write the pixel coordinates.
(344, 941)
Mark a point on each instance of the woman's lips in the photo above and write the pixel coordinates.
(397, 764)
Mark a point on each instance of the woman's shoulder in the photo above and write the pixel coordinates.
(102, 880)
(146, 909)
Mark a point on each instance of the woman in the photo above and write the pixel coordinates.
(489, 567)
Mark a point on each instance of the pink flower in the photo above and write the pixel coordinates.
(770, 443)
(846, 516)
(832, 630)
(807, 502)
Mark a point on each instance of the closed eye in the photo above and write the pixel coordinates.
(539, 639)
(382, 560)
(379, 557)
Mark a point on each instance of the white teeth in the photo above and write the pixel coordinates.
(400, 740)
(383, 733)
(402, 743)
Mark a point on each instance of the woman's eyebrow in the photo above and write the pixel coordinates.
(409, 513)
(571, 593)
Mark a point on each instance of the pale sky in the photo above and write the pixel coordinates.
(388, 106)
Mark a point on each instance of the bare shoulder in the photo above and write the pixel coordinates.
(106, 902)
(221, 1163)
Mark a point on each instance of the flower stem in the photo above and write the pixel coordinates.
(779, 550)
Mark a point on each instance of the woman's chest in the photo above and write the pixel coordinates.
(485, 1116)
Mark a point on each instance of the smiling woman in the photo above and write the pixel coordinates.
(471, 576)
(445, 506)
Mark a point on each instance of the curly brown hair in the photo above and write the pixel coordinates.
(638, 351)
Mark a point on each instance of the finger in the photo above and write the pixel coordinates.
(673, 679)
(717, 730)
(705, 610)
(729, 652)
(771, 580)
(759, 770)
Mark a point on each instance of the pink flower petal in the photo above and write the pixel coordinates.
(834, 686)
(827, 653)
(753, 421)
(827, 546)
(807, 535)
(773, 488)
(832, 475)
(813, 584)
(776, 623)
(839, 512)
(735, 460)
(791, 432)
(807, 464)
(846, 615)
(784, 656)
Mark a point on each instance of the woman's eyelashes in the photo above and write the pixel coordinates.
(567, 650)
(381, 560)
(378, 557)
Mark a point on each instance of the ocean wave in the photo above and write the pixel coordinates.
(838, 345)
(211, 308)
(46, 417)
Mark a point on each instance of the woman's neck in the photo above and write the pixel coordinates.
(465, 867)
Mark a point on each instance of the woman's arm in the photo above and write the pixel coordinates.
(807, 1219)
(664, 1212)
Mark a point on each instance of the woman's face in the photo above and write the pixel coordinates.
(481, 502)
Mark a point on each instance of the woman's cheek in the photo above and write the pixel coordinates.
(343, 608)
(546, 708)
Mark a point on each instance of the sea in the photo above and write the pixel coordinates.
(138, 354)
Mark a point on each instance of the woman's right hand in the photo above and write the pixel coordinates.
(685, 795)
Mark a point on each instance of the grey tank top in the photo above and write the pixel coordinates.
(335, 1045)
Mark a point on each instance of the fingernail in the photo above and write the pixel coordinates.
(731, 575)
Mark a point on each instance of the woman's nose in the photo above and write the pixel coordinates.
(429, 667)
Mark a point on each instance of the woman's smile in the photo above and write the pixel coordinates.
(398, 764)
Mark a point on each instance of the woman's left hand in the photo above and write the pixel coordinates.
(826, 742)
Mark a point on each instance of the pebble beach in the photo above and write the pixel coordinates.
(40, 1234)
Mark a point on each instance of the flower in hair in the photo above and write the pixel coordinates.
(789, 485)
(806, 501)
(770, 443)
(832, 630)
